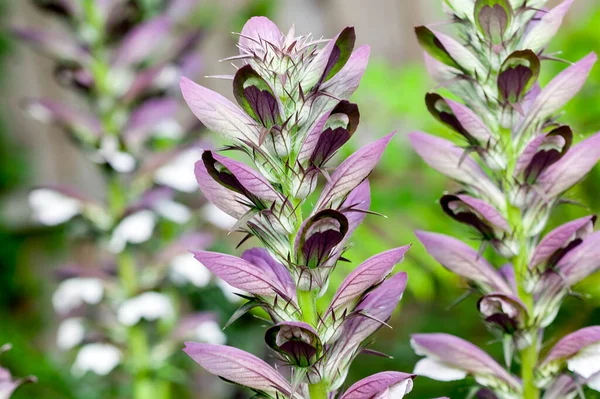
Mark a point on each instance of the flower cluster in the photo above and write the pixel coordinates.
(119, 304)
(514, 164)
(8, 384)
(291, 118)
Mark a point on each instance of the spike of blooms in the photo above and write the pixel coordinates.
(515, 160)
(114, 311)
(8, 384)
(292, 116)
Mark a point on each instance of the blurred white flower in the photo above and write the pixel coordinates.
(210, 332)
(39, 112)
(120, 80)
(173, 211)
(98, 358)
(167, 77)
(186, 269)
(168, 128)
(136, 229)
(52, 208)
(149, 306)
(594, 383)
(217, 217)
(229, 291)
(74, 292)
(122, 162)
(71, 333)
(179, 173)
(586, 363)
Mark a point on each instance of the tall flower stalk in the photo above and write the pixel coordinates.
(122, 58)
(292, 116)
(514, 164)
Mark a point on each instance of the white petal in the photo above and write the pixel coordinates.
(71, 333)
(587, 362)
(229, 291)
(136, 229)
(173, 211)
(100, 359)
(594, 383)
(149, 305)
(179, 173)
(397, 391)
(52, 208)
(122, 162)
(186, 269)
(438, 371)
(217, 217)
(210, 332)
(39, 113)
(167, 77)
(74, 292)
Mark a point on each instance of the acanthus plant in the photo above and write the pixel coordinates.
(120, 305)
(292, 117)
(514, 163)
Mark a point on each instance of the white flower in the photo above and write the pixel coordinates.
(136, 229)
(173, 211)
(586, 363)
(98, 358)
(71, 333)
(39, 112)
(149, 305)
(122, 162)
(210, 332)
(439, 371)
(179, 173)
(397, 391)
(217, 217)
(229, 291)
(74, 292)
(168, 128)
(52, 208)
(186, 269)
(594, 383)
(167, 77)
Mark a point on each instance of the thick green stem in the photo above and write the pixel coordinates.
(318, 391)
(308, 305)
(529, 359)
(529, 355)
(307, 300)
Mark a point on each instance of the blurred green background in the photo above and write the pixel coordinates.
(403, 188)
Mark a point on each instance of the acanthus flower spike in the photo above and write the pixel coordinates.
(291, 118)
(514, 163)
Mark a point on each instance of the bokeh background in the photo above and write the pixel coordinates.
(404, 189)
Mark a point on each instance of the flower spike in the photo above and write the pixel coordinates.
(514, 161)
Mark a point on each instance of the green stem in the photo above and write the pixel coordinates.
(529, 359)
(307, 300)
(318, 391)
(529, 355)
(308, 305)
(143, 386)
